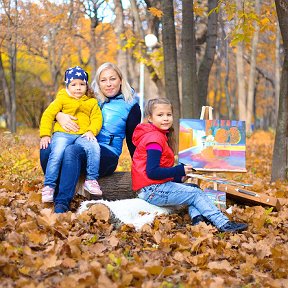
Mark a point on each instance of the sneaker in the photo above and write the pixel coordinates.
(197, 220)
(92, 187)
(60, 208)
(233, 227)
(47, 194)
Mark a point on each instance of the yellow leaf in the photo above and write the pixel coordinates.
(155, 12)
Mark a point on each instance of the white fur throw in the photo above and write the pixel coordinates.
(130, 211)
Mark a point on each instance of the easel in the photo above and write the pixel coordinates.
(235, 190)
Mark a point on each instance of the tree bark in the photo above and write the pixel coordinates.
(208, 59)
(279, 162)
(170, 61)
(189, 65)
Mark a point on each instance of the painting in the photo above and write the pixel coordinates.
(213, 145)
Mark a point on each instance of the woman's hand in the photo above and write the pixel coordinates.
(65, 120)
(44, 142)
(89, 135)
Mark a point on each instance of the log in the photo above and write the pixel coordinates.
(114, 187)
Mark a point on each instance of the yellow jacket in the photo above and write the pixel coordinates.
(87, 111)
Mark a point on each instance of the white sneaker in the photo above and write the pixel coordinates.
(92, 187)
(47, 194)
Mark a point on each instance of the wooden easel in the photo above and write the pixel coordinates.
(237, 190)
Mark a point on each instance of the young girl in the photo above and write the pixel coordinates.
(74, 101)
(156, 178)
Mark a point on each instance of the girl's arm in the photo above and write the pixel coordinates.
(155, 172)
(134, 118)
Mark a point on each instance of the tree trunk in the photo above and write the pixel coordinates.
(251, 82)
(6, 91)
(170, 62)
(208, 59)
(229, 104)
(240, 76)
(279, 163)
(10, 94)
(119, 30)
(189, 65)
(277, 74)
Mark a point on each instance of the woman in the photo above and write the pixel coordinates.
(121, 114)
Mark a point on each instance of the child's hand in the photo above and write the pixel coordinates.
(184, 179)
(188, 169)
(89, 135)
(44, 142)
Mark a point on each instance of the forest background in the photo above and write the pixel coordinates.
(229, 55)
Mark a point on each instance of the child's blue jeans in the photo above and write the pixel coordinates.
(174, 194)
(60, 141)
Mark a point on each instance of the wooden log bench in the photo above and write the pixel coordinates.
(115, 187)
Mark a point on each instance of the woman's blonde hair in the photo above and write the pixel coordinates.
(125, 88)
(149, 108)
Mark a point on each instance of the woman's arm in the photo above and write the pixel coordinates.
(65, 121)
(134, 118)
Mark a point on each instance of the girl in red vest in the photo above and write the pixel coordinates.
(160, 182)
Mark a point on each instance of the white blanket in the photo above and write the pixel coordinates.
(130, 211)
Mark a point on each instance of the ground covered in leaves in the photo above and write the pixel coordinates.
(41, 249)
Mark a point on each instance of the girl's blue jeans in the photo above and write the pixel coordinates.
(60, 141)
(174, 194)
(73, 165)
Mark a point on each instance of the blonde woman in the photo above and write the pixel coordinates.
(121, 114)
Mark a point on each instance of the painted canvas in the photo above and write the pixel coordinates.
(213, 145)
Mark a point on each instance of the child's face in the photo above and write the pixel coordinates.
(161, 116)
(77, 88)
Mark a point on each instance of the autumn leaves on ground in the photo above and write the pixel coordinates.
(41, 249)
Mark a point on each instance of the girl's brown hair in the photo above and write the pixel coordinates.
(149, 108)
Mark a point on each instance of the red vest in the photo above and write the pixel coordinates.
(144, 134)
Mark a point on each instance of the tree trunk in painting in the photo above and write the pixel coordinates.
(170, 61)
(279, 163)
(190, 104)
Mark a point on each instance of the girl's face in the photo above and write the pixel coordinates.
(77, 88)
(161, 116)
(109, 82)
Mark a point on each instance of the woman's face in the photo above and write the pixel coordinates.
(109, 82)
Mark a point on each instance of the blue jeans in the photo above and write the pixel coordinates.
(60, 141)
(73, 165)
(174, 194)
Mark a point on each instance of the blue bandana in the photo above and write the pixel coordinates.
(75, 73)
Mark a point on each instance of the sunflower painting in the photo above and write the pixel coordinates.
(213, 145)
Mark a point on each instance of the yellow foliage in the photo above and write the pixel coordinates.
(156, 12)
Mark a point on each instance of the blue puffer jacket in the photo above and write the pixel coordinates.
(115, 112)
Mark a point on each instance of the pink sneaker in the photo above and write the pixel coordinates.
(92, 187)
(47, 194)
